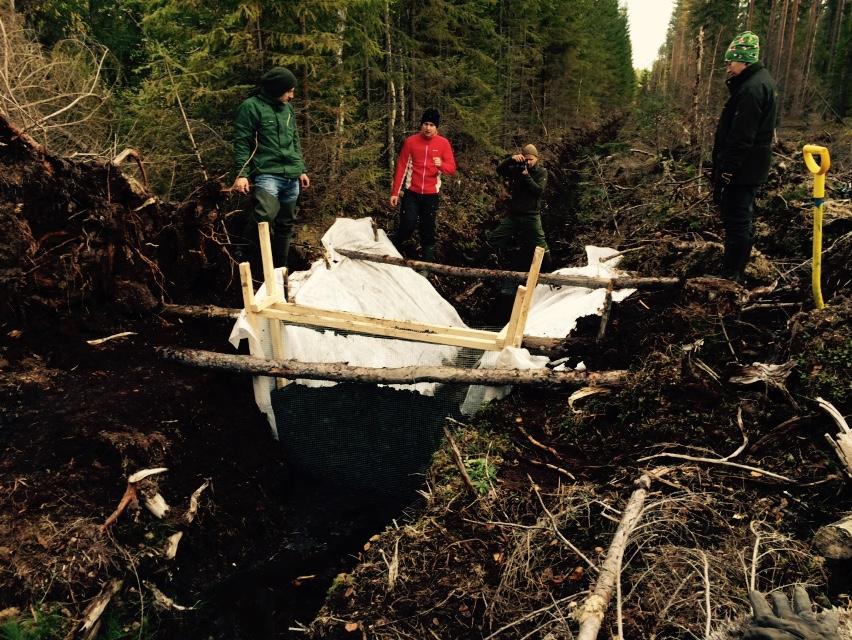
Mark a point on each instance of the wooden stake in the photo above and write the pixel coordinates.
(512, 328)
(273, 296)
(248, 294)
(529, 292)
(607, 309)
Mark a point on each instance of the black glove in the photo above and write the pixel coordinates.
(719, 187)
(785, 623)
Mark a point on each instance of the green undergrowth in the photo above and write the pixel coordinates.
(822, 348)
(40, 624)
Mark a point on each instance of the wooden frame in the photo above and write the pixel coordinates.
(275, 308)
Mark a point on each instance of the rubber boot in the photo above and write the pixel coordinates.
(283, 229)
(266, 207)
(737, 253)
(280, 249)
(429, 253)
(546, 262)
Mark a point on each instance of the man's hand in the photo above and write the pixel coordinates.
(394, 201)
(519, 157)
(783, 622)
(437, 161)
(241, 185)
(720, 187)
(304, 181)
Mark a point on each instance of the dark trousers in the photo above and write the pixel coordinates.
(521, 233)
(418, 211)
(737, 217)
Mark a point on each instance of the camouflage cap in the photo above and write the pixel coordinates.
(744, 48)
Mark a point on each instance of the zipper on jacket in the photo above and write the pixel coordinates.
(425, 160)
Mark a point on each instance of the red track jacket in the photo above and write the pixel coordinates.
(415, 164)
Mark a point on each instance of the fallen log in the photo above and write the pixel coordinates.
(591, 614)
(620, 282)
(200, 311)
(536, 344)
(399, 375)
(834, 541)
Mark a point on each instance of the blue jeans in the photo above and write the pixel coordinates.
(275, 199)
(284, 189)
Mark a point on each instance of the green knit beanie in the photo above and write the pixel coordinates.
(744, 48)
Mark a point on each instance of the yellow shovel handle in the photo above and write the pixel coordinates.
(819, 170)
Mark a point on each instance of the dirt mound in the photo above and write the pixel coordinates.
(79, 235)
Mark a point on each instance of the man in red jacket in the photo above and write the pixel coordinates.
(424, 157)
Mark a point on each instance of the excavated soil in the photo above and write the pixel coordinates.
(87, 254)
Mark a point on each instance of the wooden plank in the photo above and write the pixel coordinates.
(276, 332)
(265, 303)
(248, 295)
(533, 343)
(532, 281)
(390, 330)
(308, 312)
(266, 258)
(248, 286)
(512, 326)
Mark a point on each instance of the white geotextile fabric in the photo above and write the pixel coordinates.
(367, 288)
(400, 293)
(553, 314)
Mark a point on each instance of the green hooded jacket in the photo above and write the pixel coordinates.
(265, 138)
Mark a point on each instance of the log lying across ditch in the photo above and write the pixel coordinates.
(339, 372)
(620, 282)
(536, 344)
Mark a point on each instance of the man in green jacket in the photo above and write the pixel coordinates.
(267, 152)
(742, 148)
(525, 180)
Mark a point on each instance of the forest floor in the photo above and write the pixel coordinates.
(268, 553)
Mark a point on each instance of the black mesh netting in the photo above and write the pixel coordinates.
(363, 436)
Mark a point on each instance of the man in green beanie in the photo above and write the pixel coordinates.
(267, 152)
(524, 179)
(742, 149)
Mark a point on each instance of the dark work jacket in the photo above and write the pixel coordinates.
(743, 142)
(525, 191)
